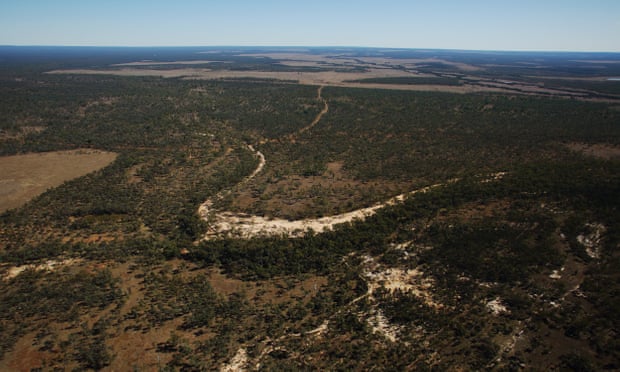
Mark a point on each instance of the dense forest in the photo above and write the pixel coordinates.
(507, 260)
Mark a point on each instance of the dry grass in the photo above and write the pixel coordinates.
(22, 177)
(339, 69)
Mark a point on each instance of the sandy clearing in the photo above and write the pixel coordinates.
(261, 163)
(22, 177)
(381, 325)
(395, 279)
(497, 307)
(239, 225)
(238, 363)
(320, 330)
(50, 265)
(592, 241)
(229, 224)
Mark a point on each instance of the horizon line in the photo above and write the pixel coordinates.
(308, 46)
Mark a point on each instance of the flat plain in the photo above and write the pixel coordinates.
(23, 177)
(308, 209)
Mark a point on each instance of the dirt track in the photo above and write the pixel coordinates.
(240, 225)
(320, 115)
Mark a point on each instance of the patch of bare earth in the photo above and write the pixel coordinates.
(50, 265)
(248, 226)
(238, 363)
(22, 177)
(392, 280)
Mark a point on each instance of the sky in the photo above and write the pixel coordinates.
(530, 25)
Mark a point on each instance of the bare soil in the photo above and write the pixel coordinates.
(22, 177)
(337, 79)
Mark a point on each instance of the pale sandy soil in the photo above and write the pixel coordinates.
(592, 241)
(238, 363)
(240, 225)
(497, 307)
(381, 325)
(395, 279)
(245, 226)
(50, 265)
(22, 177)
(204, 211)
(320, 330)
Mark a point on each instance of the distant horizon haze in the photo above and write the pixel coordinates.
(476, 25)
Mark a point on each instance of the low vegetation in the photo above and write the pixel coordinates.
(509, 262)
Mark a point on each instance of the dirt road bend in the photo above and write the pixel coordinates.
(318, 118)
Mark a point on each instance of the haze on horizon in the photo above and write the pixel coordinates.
(526, 25)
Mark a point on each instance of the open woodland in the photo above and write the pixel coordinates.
(473, 197)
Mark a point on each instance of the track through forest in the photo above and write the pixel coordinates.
(318, 118)
(241, 225)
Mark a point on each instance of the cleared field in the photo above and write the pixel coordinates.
(22, 177)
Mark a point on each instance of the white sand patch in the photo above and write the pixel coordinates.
(239, 225)
(406, 281)
(592, 241)
(380, 325)
(49, 265)
(556, 274)
(261, 163)
(497, 307)
(320, 330)
(230, 224)
(205, 208)
(238, 363)
(392, 280)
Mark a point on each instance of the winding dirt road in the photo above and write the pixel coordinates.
(240, 225)
(320, 115)
(204, 209)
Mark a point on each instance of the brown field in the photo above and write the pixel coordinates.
(22, 177)
(337, 79)
(342, 70)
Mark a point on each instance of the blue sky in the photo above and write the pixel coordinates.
(557, 25)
